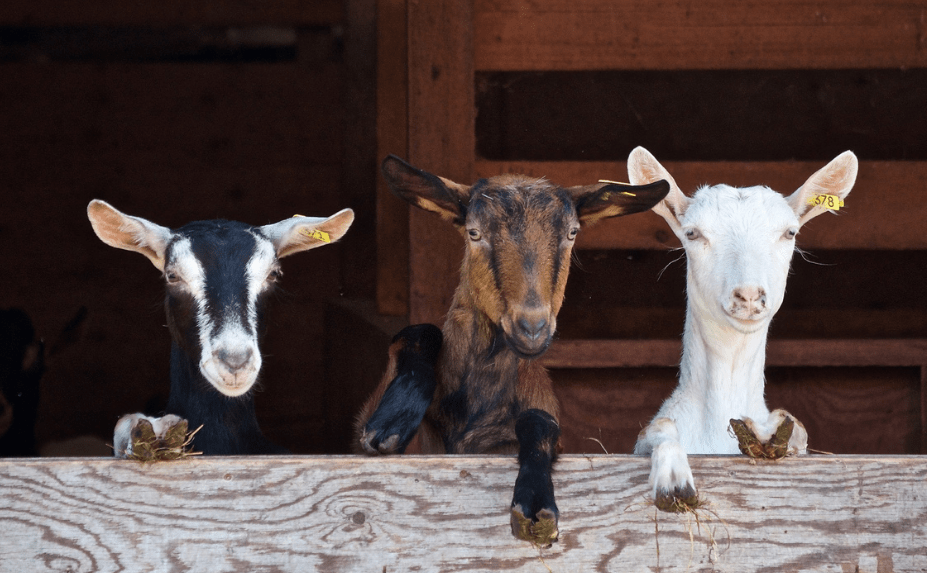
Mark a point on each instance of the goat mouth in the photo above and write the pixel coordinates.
(228, 383)
(527, 352)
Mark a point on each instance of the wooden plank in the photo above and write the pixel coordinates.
(884, 211)
(441, 140)
(392, 138)
(169, 13)
(715, 34)
(664, 352)
(814, 513)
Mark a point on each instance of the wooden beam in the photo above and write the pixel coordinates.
(813, 513)
(169, 13)
(516, 35)
(392, 138)
(885, 210)
(666, 353)
(441, 140)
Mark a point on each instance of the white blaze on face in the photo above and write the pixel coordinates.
(739, 245)
(230, 358)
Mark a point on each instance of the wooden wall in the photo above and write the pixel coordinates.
(740, 93)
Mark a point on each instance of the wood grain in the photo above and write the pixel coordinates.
(441, 140)
(871, 219)
(450, 514)
(715, 34)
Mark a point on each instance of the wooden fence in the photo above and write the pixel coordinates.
(353, 514)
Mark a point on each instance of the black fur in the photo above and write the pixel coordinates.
(537, 433)
(229, 425)
(412, 390)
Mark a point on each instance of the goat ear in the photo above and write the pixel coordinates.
(122, 231)
(427, 191)
(643, 167)
(603, 200)
(299, 233)
(835, 178)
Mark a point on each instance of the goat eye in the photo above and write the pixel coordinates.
(475, 234)
(790, 234)
(171, 277)
(572, 234)
(274, 275)
(693, 234)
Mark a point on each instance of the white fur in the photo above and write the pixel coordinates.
(738, 244)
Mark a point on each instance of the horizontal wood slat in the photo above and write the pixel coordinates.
(169, 13)
(663, 352)
(716, 34)
(813, 513)
(885, 210)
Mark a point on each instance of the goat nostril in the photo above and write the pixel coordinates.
(234, 360)
(531, 329)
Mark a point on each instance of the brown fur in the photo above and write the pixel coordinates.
(519, 233)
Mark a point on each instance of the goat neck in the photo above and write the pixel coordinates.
(726, 366)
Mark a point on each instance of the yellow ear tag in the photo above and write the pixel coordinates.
(315, 234)
(619, 183)
(829, 202)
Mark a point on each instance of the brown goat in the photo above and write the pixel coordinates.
(480, 391)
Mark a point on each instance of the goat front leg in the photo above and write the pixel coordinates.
(780, 435)
(393, 414)
(672, 486)
(534, 512)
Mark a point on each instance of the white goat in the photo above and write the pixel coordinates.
(738, 244)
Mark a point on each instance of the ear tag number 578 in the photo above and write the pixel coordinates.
(830, 202)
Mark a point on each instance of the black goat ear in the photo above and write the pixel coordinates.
(427, 191)
(122, 231)
(606, 199)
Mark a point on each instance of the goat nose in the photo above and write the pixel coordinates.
(750, 295)
(532, 328)
(234, 360)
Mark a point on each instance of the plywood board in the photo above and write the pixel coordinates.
(818, 513)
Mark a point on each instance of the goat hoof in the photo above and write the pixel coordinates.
(679, 500)
(375, 447)
(541, 531)
(750, 445)
(149, 445)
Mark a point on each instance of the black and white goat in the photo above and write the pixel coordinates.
(218, 274)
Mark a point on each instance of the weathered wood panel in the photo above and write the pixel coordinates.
(169, 13)
(884, 191)
(450, 514)
(441, 140)
(716, 34)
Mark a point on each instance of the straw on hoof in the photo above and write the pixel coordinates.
(148, 447)
(542, 532)
(776, 448)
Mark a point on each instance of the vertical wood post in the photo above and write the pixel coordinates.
(441, 140)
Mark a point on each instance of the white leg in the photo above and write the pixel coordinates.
(671, 478)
